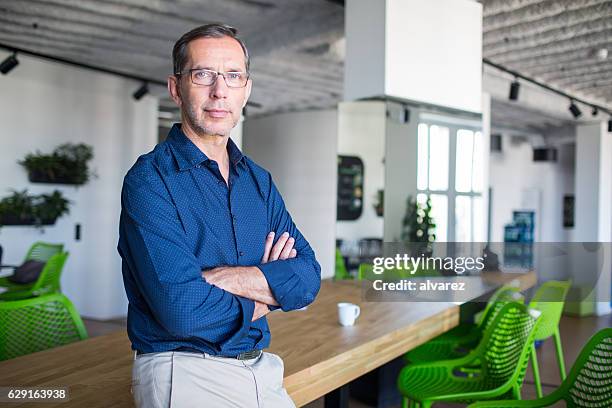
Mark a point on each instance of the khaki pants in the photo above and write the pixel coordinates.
(183, 380)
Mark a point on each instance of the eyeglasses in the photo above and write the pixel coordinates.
(206, 77)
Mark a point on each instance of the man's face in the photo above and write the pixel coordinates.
(214, 109)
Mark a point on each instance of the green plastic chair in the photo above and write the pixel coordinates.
(36, 324)
(48, 281)
(502, 357)
(341, 273)
(41, 251)
(549, 299)
(588, 384)
(458, 341)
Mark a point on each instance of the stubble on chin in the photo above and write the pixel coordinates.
(200, 128)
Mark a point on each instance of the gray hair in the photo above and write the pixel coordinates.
(214, 30)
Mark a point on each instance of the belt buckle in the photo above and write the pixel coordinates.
(247, 355)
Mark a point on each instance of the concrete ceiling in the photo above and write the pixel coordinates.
(297, 45)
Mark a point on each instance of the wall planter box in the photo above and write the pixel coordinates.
(21, 208)
(67, 164)
(37, 176)
(12, 220)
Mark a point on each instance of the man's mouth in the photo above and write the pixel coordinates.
(217, 113)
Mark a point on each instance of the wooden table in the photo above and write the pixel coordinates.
(319, 354)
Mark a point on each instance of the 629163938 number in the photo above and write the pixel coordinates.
(21, 394)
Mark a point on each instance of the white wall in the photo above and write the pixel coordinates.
(361, 133)
(401, 159)
(299, 149)
(44, 104)
(519, 183)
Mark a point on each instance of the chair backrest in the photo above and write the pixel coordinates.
(36, 324)
(49, 279)
(42, 251)
(340, 272)
(506, 344)
(499, 299)
(549, 299)
(589, 382)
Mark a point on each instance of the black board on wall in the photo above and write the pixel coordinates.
(350, 188)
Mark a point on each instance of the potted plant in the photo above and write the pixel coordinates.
(20, 208)
(51, 206)
(17, 209)
(66, 165)
(418, 227)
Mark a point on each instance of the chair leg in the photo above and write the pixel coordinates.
(404, 402)
(516, 392)
(559, 349)
(536, 371)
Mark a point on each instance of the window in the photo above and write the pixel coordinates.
(450, 171)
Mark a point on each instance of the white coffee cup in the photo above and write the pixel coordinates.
(347, 313)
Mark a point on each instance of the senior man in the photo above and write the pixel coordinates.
(208, 246)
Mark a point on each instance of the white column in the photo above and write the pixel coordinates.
(593, 206)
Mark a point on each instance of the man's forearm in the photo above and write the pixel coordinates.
(245, 281)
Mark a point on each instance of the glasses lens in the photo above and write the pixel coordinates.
(235, 79)
(203, 77)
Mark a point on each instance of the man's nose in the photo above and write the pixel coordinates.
(219, 89)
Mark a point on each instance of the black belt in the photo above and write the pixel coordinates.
(247, 355)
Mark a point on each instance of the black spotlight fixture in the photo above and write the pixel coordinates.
(515, 87)
(575, 110)
(8, 64)
(595, 111)
(140, 92)
(610, 125)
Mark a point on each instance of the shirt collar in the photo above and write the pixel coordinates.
(188, 155)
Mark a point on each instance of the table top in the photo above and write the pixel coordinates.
(319, 354)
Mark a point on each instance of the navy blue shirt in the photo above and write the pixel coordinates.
(178, 218)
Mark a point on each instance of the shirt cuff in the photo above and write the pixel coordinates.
(285, 285)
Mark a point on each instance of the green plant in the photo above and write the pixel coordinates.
(67, 164)
(52, 206)
(418, 226)
(20, 208)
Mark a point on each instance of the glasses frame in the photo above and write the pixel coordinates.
(217, 74)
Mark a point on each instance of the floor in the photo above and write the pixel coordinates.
(574, 334)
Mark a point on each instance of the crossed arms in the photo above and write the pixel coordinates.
(249, 281)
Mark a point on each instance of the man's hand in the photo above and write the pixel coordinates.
(261, 309)
(283, 249)
(249, 281)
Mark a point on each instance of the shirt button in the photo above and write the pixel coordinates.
(241, 253)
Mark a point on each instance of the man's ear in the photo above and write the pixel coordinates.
(174, 88)
(247, 92)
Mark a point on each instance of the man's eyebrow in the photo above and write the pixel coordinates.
(198, 66)
(230, 69)
(235, 68)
